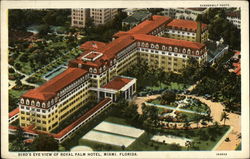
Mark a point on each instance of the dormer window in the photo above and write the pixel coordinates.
(152, 46)
(95, 70)
(170, 48)
(184, 51)
(142, 44)
(175, 49)
(189, 51)
(38, 104)
(32, 103)
(138, 43)
(157, 46)
(43, 105)
(163, 47)
(27, 102)
(197, 52)
(22, 101)
(90, 70)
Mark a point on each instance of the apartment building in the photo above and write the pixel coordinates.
(100, 16)
(234, 17)
(96, 73)
(103, 15)
(184, 13)
(79, 17)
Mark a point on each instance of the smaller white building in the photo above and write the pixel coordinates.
(120, 86)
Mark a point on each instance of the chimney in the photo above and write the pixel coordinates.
(198, 32)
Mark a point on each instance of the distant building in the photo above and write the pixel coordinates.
(79, 17)
(130, 11)
(103, 15)
(136, 17)
(234, 17)
(184, 13)
(99, 16)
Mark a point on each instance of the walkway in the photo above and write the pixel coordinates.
(13, 84)
(175, 108)
(216, 109)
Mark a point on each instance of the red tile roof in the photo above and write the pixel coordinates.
(149, 25)
(92, 45)
(185, 24)
(53, 86)
(146, 26)
(14, 112)
(28, 141)
(169, 41)
(117, 45)
(117, 83)
(82, 118)
(238, 70)
(109, 51)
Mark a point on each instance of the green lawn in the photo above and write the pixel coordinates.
(144, 143)
(173, 85)
(203, 138)
(17, 93)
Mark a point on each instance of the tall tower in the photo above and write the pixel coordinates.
(198, 32)
(79, 17)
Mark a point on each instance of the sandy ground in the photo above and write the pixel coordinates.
(216, 110)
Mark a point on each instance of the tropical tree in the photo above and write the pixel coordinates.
(44, 142)
(168, 97)
(188, 144)
(224, 117)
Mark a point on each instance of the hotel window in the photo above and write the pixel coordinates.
(170, 48)
(90, 70)
(22, 107)
(38, 104)
(22, 101)
(27, 102)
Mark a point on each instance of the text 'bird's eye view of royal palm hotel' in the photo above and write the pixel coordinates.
(124, 79)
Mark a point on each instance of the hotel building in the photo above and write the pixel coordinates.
(97, 74)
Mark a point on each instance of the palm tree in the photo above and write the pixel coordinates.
(207, 118)
(224, 116)
(188, 144)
